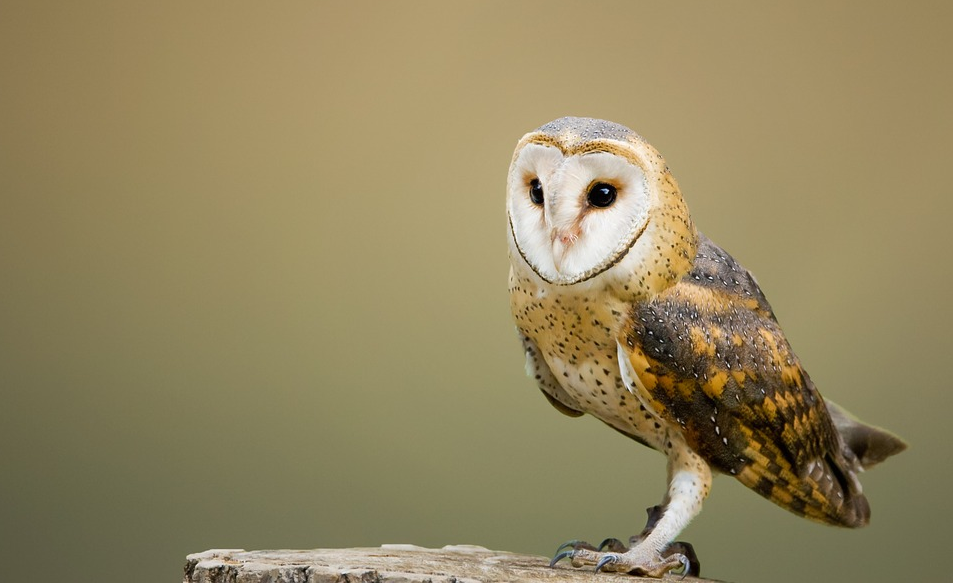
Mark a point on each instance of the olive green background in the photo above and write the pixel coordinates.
(253, 270)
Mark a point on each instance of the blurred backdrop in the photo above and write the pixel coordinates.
(253, 270)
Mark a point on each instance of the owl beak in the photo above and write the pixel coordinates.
(566, 236)
(563, 240)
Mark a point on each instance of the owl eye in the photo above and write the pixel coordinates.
(536, 191)
(601, 195)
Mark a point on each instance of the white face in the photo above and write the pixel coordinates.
(575, 216)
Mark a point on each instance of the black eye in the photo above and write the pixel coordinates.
(601, 195)
(536, 191)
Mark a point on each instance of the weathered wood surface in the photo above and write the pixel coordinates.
(388, 564)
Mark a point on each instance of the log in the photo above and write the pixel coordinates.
(389, 564)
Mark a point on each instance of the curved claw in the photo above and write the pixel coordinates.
(561, 556)
(567, 545)
(606, 560)
(685, 554)
(613, 544)
(686, 564)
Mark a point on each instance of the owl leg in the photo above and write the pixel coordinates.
(654, 554)
(681, 547)
(617, 546)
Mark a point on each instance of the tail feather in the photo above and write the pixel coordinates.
(825, 489)
(871, 445)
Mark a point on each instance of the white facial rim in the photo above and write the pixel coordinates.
(606, 234)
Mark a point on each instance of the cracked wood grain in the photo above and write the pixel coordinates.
(388, 564)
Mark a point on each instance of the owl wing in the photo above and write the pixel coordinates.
(557, 396)
(709, 357)
(537, 368)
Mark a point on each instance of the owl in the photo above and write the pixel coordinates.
(628, 313)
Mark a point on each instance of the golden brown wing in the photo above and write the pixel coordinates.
(712, 360)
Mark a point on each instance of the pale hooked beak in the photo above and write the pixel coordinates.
(563, 240)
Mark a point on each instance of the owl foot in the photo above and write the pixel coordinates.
(637, 561)
(632, 559)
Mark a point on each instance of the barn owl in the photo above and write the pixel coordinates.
(628, 313)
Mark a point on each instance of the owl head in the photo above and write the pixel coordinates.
(590, 202)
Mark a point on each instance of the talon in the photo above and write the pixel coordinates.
(683, 549)
(567, 545)
(686, 565)
(561, 556)
(612, 544)
(605, 560)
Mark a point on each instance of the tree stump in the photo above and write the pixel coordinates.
(389, 564)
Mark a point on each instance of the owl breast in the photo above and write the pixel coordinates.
(576, 339)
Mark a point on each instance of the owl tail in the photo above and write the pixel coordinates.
(826, 488)
(871, 445)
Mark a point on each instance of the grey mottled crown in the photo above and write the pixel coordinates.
(587, 128)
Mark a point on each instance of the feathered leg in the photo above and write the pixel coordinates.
(653, 555)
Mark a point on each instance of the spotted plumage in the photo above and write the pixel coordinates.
(714, 361)
(628, 313)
